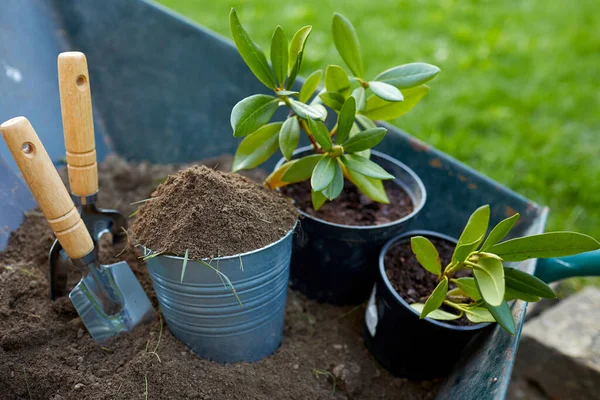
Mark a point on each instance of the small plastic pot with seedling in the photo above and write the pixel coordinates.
(428, 298)
(338, 176)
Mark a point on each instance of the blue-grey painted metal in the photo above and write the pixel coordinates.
(163, 88)
(203, 312)
(336, 263)
(15, 200)
(30, 41)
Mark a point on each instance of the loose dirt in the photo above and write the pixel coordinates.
(46, 353)
(212, 214)
(352, 207)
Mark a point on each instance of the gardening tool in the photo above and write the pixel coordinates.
(78, 125)
(109, 299)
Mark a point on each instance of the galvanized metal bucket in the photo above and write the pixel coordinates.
(202, 311)
(337, 263)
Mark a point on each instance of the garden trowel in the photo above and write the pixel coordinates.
(78, 125)
(109, 299)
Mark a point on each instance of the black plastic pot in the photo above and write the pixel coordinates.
(336, 263)
(402, 342)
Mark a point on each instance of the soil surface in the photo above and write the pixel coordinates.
(352, 207)
(46, 353)
(212, 214)
(413, 282)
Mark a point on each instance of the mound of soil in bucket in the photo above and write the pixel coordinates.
(212, 214)
(352, 207)
(413, 282)
(46, 353)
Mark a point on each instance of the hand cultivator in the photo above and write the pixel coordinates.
(76, 104)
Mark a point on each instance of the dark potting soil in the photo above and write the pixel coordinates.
(352, 207)
(212, 214)
(413, 282)
(46, 353)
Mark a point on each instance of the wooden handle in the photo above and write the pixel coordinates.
(46, 186)
(78, 123)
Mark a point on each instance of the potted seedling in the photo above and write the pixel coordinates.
(435, 291)
(352, 198)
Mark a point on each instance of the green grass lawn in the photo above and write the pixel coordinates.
(517, 98)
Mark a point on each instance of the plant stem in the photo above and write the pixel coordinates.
(451, 268)
(470, 264)
(304, 126)
(333, 131)
(453, 305)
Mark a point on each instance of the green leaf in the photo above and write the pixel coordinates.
(468, 286)
(456, 292)
(379, 109)
(489, 276)
(356, 130)
(279, 55)
(500, 231)
(346, 120)
(336, 80)
(365, 122)
(318, 199)
(528, 284)
(184, 265)
(289, 137)
(408, 75)
(361, 97)
(337, 184)
(426, 254)
(545, 245)
(294, 72)
(251, 113)
(257, 147)
(321, 135)
(473, 233)
(462, 252)
(511, 294)
(320, 108)
(286, 93)
(251, 52)
(274, 181)
(364, 140)
(310, 86)
(370, 187)
(437, 297)
(386, 92)
(301, 169)
(305, 111)
(332, 100)
(297, 46)
(324, 173)
(503, 316)
(479, 315)
(438, 314)
(346, 43)
(365, 167)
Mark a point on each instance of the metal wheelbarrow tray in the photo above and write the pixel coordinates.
(159, 76)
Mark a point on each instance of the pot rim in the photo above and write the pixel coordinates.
(284, 237)
(403, 238)
(388, 158)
